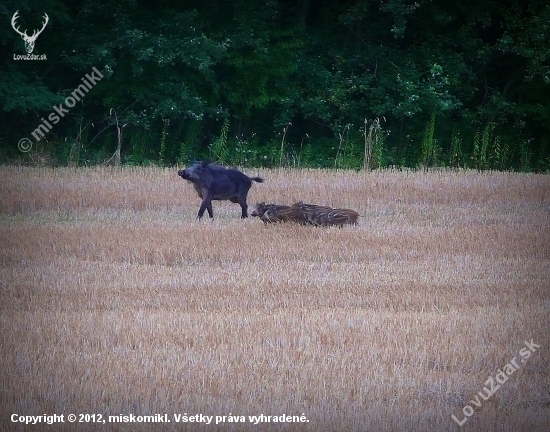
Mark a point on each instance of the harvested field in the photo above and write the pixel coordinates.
(115, 301)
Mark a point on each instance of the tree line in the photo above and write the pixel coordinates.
(352, 84)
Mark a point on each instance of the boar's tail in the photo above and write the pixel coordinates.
(257, 179)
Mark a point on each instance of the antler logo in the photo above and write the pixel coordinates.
(29, 40)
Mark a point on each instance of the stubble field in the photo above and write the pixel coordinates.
(115, 301)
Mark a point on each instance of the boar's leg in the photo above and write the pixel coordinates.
(244, 206)
(209, 210)
(206, 204)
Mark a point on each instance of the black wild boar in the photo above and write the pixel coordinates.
(214, 182)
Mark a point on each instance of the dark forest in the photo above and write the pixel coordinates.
(350, 84)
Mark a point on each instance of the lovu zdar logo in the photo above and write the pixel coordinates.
(29, 40)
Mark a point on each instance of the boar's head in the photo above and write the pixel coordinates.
(193, 172)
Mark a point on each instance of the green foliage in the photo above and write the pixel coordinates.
(490, 150)
(485, 141)
(306, 151)
(429, 147)
(343, 138)
(164, 134)
(22, 95)
(175, 71)
(281, 152)
(139, 153)
(456, 157)
(500, 153)
(219, 150)
(373, 135)
(189, 145)
(400, 12)
(478, 157)
(524, 157)
(246, 151)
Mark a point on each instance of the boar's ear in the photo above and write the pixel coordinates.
(205, 163)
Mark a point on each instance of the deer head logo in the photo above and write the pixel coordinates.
(29, 40)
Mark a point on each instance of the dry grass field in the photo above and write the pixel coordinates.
(115, 300)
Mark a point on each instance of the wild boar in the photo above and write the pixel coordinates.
(270, 213)
(311, 212)
(338, 217)
(285, 214)
(327, 216)
(343, 217)
(214, 182)
(310, 207)
(262, 209)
